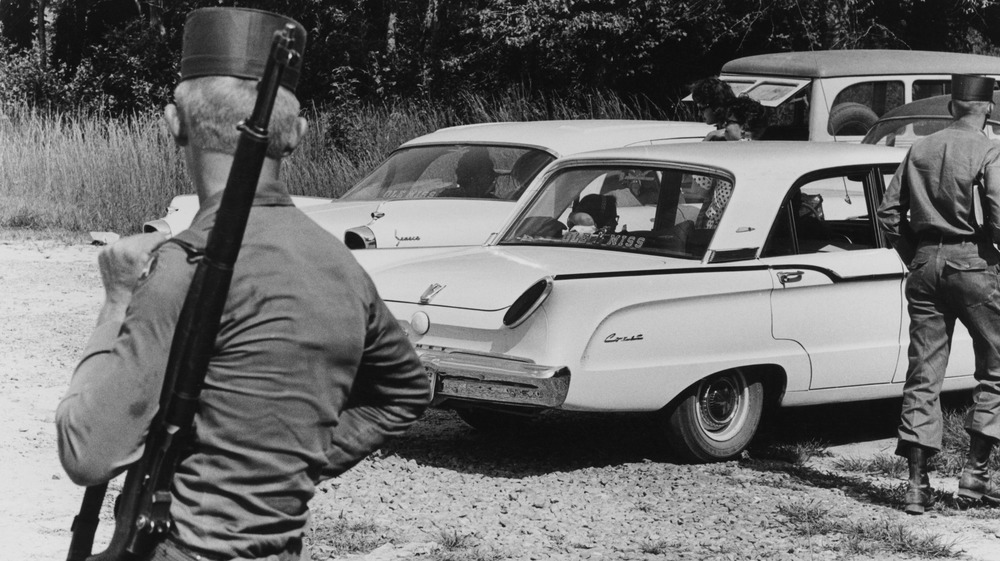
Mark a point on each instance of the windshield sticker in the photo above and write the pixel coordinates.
(598, 238)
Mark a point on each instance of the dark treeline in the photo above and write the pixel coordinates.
(121, 56)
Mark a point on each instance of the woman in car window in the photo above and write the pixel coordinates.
(711, 96)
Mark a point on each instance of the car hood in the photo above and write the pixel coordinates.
(489, 278)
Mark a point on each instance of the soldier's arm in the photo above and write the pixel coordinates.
(102, 421)
(390, 392)
(991, 196)
(892, 214)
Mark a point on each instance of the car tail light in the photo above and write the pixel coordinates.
(360, 237)
(527, 303)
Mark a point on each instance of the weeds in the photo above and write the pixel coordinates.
(343, 536)
(87, 171)
(888, 465)
(869, 538)
(460, 547)
(796, 453)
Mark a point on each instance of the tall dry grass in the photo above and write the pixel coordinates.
(84, 171)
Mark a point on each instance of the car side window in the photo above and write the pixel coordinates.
(857, 107)
(929, 88)
(827, 214)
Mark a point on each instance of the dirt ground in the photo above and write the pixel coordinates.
(51, 295)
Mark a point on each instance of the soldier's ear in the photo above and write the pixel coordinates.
(175, 124)
(301, 126)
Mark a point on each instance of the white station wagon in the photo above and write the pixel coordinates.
(457, 185)
(837, 95)
(708, 281)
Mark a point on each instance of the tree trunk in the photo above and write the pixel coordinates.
(43, 51)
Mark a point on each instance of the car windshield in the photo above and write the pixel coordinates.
(470, 171)
(642, 209)
(904, 131)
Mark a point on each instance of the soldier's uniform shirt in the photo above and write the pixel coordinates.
(934, 183)
(928, 210)
(311, 372)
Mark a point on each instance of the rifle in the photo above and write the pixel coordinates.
(142, 510)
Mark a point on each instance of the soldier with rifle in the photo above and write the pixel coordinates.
(305, 372)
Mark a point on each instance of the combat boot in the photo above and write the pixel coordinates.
(976, 484)
(919, 495)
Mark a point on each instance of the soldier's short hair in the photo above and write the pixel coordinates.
(211, 107)
(961, 108)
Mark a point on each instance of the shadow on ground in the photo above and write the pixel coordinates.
(563, 441)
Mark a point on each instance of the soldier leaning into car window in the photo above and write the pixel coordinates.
(929, 215)
(310, 372)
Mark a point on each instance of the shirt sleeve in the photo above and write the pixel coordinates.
(103, 419)
(892, 213)
(390, 392)
(991, 194)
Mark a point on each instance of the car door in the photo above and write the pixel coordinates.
(837, 285)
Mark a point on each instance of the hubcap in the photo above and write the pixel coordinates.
(722, 406)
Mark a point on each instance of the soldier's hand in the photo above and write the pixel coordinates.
(123, 263)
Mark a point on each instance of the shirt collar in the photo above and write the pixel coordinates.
(270, 193)
(962, 125)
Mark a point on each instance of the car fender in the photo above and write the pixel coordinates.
(648, 361)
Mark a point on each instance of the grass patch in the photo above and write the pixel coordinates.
(868, 537)
(342, 536)
(656, 546)
(888, 465)
(462, 547)
(83, 171)
(796, 453)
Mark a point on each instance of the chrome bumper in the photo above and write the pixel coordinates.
(483, 378)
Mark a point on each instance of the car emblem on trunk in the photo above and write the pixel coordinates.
(431, 292)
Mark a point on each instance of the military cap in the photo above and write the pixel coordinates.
(968, 87)
(236, 42)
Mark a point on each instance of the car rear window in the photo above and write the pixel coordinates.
(640, 209)
(470, 171)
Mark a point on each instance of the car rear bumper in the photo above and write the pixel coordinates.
(462, 376)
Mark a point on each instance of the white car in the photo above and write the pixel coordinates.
(904, 125)
(789, 296)
(837, 95)
(413, 198)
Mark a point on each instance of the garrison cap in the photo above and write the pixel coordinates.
(969, 87)
(236, 42)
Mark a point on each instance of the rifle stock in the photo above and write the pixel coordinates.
(142, 511)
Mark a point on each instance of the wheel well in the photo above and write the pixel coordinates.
(773, 376)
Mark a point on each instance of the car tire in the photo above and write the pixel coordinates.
(851, 119)
(716, 419)
(490, 421)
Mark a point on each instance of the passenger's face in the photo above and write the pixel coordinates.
(708, 114)
(735, 131)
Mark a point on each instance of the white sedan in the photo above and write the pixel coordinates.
(455, 186)
(706, 282)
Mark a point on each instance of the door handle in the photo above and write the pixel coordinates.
(790, 276)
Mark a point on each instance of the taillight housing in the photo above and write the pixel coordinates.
(527, 303)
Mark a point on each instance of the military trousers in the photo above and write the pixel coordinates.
(949, 282)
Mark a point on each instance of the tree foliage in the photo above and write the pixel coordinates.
(122, 56)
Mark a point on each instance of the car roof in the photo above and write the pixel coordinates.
(936, 106)
(862, 62)
(759, 158)
(564, 137)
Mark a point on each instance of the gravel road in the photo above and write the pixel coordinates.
(570, 486)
